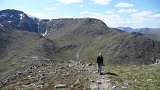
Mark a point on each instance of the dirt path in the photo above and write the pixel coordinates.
(102, 83)
(78, 52)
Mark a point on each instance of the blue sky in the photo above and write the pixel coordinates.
(115, 13)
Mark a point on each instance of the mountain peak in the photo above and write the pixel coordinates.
(19, 19)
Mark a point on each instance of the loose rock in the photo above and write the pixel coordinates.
(61, 86)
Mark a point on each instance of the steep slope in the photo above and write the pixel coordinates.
(117, 46)
(19, 19)
(32, 56)
(20, 49)
(70, 34)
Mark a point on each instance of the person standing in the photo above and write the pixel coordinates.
(100, 63)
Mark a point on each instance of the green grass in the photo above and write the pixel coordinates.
(135, 77)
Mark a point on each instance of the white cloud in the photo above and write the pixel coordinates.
(64, 17)
(36, 14)
(20, 7)
(156, 16)
(122, 4)
(143, 13)
(137, 19)
(145, 17)
(127, 10)
(81, 5)
(50, 9)
(110, 12)
(85, 12)
(102, 2)
(49, 1)
(70, 1)
(113, 20)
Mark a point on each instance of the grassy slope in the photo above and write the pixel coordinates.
(23, 49)
(128, 77)
(18, 46)
(117, 47)
(155, 37)
(146, 77)
(135, 77)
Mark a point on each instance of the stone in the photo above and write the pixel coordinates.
(98, 82)
(61, 86)
(92, 81)
(62, 67)
(89, 64)
(39, 86)
(113, 87)
(76, 83)
(123, 87)
(19, 73)
(148, 80)
(86, 79)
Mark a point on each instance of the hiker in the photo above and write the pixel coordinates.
(100, 63)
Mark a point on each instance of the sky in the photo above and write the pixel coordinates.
(115, 13)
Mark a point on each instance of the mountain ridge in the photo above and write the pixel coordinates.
(152, 33)
(69, 46)
(74, 32)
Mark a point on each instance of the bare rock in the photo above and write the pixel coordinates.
(61, 86)
(89, 64)
(98, 82)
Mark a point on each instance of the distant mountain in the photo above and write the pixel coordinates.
(149, 31)
(70, 33)
(95, 36)
(27, 41)
(19, 19)
(153, 33)
(141, 30)
(126, 29)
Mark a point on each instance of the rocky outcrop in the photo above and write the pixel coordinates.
(35, 77)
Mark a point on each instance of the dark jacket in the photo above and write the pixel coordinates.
(100, 60)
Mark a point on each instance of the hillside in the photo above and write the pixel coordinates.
(32, 48)
(20, 49)
(117, 46)
(92, 36)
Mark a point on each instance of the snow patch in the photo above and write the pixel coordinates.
(44, 33)
(11, 16)
(32, 17)
(9, 21)
(38, 27)
(4, 15)
(1, 25)
(21, 16)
